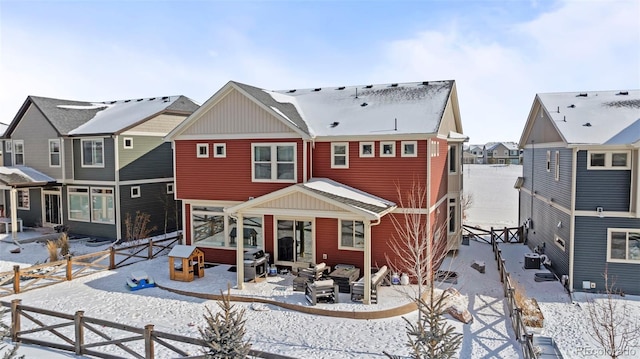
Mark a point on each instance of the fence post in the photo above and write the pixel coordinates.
(150, 255)
(498, 258)
(112, 258)
(15, 319)
(78, 320)
(16, 279)
(503, 271)
(516, 328)
(148, 342)
(69, 267)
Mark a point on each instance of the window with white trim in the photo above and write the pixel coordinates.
(388, 149)
(219, 150)
(102, 205)
(18, 152)
(8, 146)
(78, 198)
(135, 192)
(202, 150)
(560, 243)
(548, 161)
(23, 199)
(623, 245)
(92, 153)
(169, 188)
(351, 235)
(273, 162)
(452, 215)
(127, 143)
(556, 165)
(608, 160)
(211, 227)
(340, 155)
(453, 159)
(367, 149)
(435, 148)
(54, 152)
(409, 148)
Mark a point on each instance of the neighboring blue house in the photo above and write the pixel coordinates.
(102, 161)
(580, 193)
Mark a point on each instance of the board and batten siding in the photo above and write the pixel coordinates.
(609, 189)
(106, 173)
(591, 255)
(150, 157)
(89, 229)
(36, 131)
(153, 201)
(236, 114)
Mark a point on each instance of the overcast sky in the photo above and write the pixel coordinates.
(501, 53)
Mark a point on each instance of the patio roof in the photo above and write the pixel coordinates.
(321, 195)
(22, 176)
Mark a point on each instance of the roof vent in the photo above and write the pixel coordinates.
(127, 100)
(151, 99)
(572, 106)
(363, 104)
(317, 89)
(140, 99)
(394, 85)
(112, 102)
(588, 124)
(340, 88)
(368, 86)
(165, 98)
(625, 93)
(292, 91)
(584, 94)
(425, 83)
(334, 124)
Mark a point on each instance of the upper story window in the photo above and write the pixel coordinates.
(202, 150)
(93, 153)
(548, 161)
(435, 148)
(54, 153)
(18, 152)
(273, 162)
(388, 149)
(453, 162)
(220, 150)
(409, 148)
(367, 149)
(351, 235)
(623, 245)
(127, 143)
(607, 160)
(23, 199)
(557, 165)
(340, 155)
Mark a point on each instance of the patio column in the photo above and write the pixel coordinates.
(240, 251)
(14, 214)
(367, 262)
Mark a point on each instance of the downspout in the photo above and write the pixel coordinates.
(574, 177)
(428, 188)
(240, 251)
(367, 259)
(304, 160)
(116, 146)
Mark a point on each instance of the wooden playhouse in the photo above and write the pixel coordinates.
(185, 262)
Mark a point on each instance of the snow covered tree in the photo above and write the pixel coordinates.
(225, 331)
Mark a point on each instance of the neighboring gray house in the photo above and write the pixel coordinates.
(501, 153)
(107, 160)
(580, 193)
(473, 154)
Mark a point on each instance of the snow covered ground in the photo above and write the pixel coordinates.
(277, 330)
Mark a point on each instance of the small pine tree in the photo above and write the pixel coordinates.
(225, 331)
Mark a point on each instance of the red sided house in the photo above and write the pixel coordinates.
(312, 175)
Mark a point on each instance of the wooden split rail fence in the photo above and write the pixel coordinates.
(84, 335)
(505, 234)
(72, 267)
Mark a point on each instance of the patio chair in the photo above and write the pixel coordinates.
(321, 290)
(314, 273)
(357, 288)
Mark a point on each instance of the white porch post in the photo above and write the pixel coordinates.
(14, 214)
(367, 262)
(240, 251)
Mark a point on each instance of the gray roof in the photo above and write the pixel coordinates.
(348, 195)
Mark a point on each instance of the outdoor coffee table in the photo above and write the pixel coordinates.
(343, 278)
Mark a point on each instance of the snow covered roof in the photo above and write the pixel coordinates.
(19, 176)
(348, 195)
(75, 118)
(598, 117)
(181, 251)
(400, 108)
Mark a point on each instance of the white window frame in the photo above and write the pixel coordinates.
(93, 165)
(560, 243)
(608, 160)
(226, 232)
(129, 145)
(215, 150)
(274, 162)
(334, 154)
(453, 206)
(556, 165)
(200, 154)
(17, 143)
(23, 204)
(51, 153)
(373, 149)
(354, 247)
(70, 192)
(548, 161)
(452, 157)
(169, 188)
(105, 196)
(415, 148)
(617, 260)
(388, 143)
(8, 146)
(135, 192)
